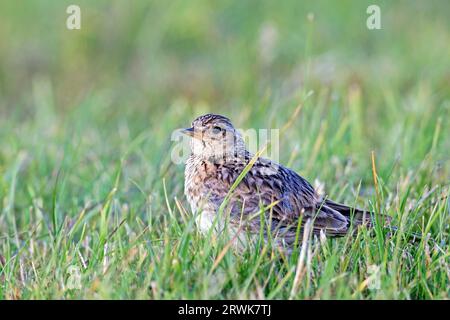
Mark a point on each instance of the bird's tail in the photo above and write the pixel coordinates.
(358, 216)
(362, 217)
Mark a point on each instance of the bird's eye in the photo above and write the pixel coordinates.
(216, 130)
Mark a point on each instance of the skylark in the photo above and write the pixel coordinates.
(285, 199)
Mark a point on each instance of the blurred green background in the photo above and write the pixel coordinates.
(73, 103)
(141, 56)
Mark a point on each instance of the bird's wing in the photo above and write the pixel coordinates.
(289, 197)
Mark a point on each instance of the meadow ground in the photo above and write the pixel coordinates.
(91, 205)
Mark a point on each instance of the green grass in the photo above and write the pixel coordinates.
(86, 178)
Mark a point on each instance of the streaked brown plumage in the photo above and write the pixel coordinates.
(219, 156)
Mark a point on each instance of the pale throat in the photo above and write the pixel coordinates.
(219, 151)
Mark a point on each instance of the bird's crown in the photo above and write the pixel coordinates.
(211, 118)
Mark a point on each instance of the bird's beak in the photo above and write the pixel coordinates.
(191, 132)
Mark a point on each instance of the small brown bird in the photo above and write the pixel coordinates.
(218, 156)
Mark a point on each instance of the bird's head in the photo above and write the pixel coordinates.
(214, 137)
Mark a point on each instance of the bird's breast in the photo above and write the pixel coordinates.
(199, 175)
